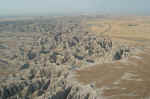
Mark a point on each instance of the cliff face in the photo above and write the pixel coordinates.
(46, 62)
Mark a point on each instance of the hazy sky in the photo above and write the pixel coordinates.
(12, 7)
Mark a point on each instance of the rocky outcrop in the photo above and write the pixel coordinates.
(47, 62)
(122, 52)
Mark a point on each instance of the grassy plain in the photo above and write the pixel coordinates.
(127, 79)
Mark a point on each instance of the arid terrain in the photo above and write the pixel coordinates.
(75, 57)
(128, 78)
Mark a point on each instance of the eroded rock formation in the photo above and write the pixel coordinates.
(47, 62)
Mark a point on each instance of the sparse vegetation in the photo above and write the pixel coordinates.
(44, 56)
